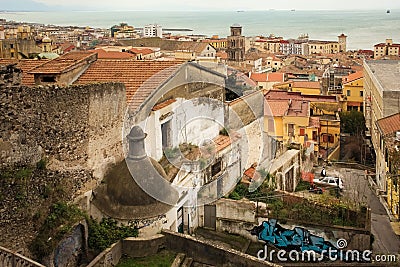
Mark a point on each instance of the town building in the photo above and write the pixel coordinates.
(386, 49)
(309, 121)
(353, 90)
(236, 44)
(389, 134)
(327, 47)
(268, 80)
(216, 42)
(152, 30)
(381, 99)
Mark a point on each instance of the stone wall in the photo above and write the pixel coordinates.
(74, 127)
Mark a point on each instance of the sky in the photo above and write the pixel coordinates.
(36, 5)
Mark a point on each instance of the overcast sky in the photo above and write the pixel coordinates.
(198, 5)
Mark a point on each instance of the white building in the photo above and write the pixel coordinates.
(152, 30)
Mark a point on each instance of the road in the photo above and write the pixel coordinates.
(357, 188)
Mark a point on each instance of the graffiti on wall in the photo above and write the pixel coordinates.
(299, 238)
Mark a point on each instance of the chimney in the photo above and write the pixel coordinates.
(136, 144)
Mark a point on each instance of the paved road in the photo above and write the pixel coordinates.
(357, 188)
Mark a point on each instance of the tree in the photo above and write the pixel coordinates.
(352, 122)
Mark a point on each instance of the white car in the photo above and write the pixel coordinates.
(329, 181)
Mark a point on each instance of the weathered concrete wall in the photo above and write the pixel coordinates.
(141, 247)
(109, 257)
(209, 253)
(236, 217)
(76, 126)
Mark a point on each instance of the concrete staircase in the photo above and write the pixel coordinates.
(181, 260)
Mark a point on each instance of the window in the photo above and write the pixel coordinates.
(49, 79)
(11, 45)
(302, 131)
(361, 93)
(216, 168)
(348, 92)
(12, 54)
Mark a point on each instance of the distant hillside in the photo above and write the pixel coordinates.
(23, 5)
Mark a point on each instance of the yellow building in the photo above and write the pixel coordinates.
(293, 118)
(303, 87)
(217, 43)
(323, 47)
(353, 91)
(386, 49)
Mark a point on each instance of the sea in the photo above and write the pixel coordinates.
(364, 28)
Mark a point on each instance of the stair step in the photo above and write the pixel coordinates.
(180, 257)
(187, 262)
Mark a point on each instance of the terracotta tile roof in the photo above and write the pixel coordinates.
(306, 84)
(62, 63)
(163, 104)
(314, 122)
(258, 77)
(354, 76)
(298, 108)
(146, 75)
(284, 95)
(143, 51)
(192, 47)
(276, 108)
(223, 141)
(102, 54)
(389, 125)
(222, 54)
(251, 174)
(25, 65)
(275, 77)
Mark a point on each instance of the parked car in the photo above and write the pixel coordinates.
(329, 181)
(316, 189)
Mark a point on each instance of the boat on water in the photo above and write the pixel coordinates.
(388, 11)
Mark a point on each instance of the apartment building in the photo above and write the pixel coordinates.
(386, 49)
(381, 99)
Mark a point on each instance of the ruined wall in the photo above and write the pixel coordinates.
(74, 127)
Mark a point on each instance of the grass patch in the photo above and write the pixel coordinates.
(162, 259)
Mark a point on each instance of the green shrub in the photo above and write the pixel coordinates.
(104, 234)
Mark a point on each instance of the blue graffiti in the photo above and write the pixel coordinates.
(299, 239)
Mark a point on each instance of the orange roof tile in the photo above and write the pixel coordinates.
(389, 125)
(306, 84)
(222, 54)
(259, 77)
(163, 104)
(354, 76)
(146, 75)
(62, 63)
(276, 108)
(275, 77)
(102, 54)
(223, 141)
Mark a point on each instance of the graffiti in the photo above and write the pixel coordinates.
(299, 239)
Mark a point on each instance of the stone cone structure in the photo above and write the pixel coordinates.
(124, 197)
